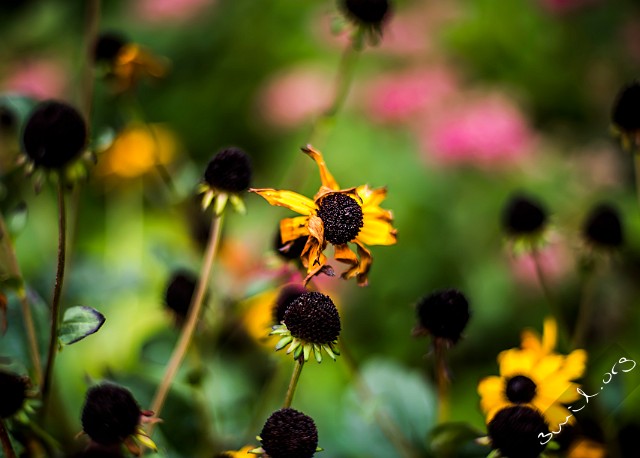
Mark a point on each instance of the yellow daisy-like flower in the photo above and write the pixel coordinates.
(132, 63)
(336, 216)
(535, 376)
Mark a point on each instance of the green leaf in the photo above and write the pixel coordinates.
(447, 438)
(78, 323)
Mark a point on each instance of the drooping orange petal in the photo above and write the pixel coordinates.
(365, 263)
(344, 254)
(292, 228)
(313, 258)
(288, 199)
(377, 213)
(371, 197)
(325, 176)
(377, 232)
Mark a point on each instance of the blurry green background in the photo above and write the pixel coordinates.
(463, 103)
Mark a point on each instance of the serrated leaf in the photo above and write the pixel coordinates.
(78, 323)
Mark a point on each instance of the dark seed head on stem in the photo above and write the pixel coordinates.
(341, 216)
(523, 215)
(108, 46)
(626, 108)
(368, 12)
(288, 433)
(313, 317)
(603, 227)
(110, 414)
(229, 171)
(515, 432)
(54, 135)
(180, 289)
(13, 392)
(286, 296)
(444, 314)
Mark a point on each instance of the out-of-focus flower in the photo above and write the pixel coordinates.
(625, 114)
(536, 377)
(443, 315)
(242, 453)
(170, 10)
(13, 393)
(137, 150)
(370, 16)
(288, 433)
(295, 96)
(228, 174)
(37, 78)
(336, 216)
(112, 416)
(565, 6)
(490, 132)
(515, 432)
(524, 220)
(602, 228)
(179, 294)
(586, 448)
(404, 96)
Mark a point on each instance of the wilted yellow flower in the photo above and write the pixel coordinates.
(137, 150)
(133, 62)
(535, 376)
(336, 216)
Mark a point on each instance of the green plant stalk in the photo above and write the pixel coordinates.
(293, 383)
(442, 379)
(6, 441)
(32, 339)
(388, 427)
(55, 302)
(584, 309)
(546, 291)
(636, 162)
(189, 327)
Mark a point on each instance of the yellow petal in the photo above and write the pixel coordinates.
(492, 392)
(498, 407)
(574, 365)
(377, 232)
(549, 334)
(344, 254)
(293, 228)
(371, 197)
(531, 341)
(325, 176)
(546, 366)
(516, 362)
(556, 415)
(288, 199)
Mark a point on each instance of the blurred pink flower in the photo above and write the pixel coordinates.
(400, 97)
(565, 6)
(555, 263)
(490, 131)
(37, 78)
(170, 10)
(295, 96)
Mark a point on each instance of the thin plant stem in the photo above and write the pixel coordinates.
(442, 379)
(55, 302)
(92, 21)
(546, 291)
(293, 383)
(7, 448)
(193, 315)
(14, 268)
(636, 162)
(388, 427)
(584, 310)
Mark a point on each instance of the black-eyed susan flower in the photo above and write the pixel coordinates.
(311, 323)
(516, 431)
(369, 15)
(336, 216)
(13, 393)
(227, 175)
(288, 433)
(524, 220)
(625, 115)
(443, 315)
(536, 377)
(54, 139)
(602, 229)
(125, 62)
(111, 416)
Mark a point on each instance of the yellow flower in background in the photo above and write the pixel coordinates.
(133, 62)
(236, 454)
(336, 216)
(137, 150)
(535, 376)
(586, 448)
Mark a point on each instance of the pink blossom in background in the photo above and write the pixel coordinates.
(555, 262)
(295, 96)
(37, 78)
(487, 132)
(565, 6)
(630, 36)
(170, 10)
(400, 97)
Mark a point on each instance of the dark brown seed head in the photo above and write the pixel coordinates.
(367, 12)
(523, 215)
(110, 414)
(515, 431)
(13, 392)
(288, 433)
(313, 317)
(182, 285)
(341, 216)
(229, 171)
(626, 108)
(444, 314)
(603, 227)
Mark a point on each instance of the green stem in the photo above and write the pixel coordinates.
(193, 315)
(636, 161)
(388, 427)
(6, 441)
(442, 379)
(92, 21)
(584, 310)
(297, 370)
(546, 291)
(55, 303)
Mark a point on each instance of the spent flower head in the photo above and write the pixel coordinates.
(13, 393)
(516, 431)
(311, 323)
(288, 433)
(226, 177)
(335, 216)
(369, 16)
(625, 114)
(179, 293)
(443, 315)
(524, 220)
(602, 228)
